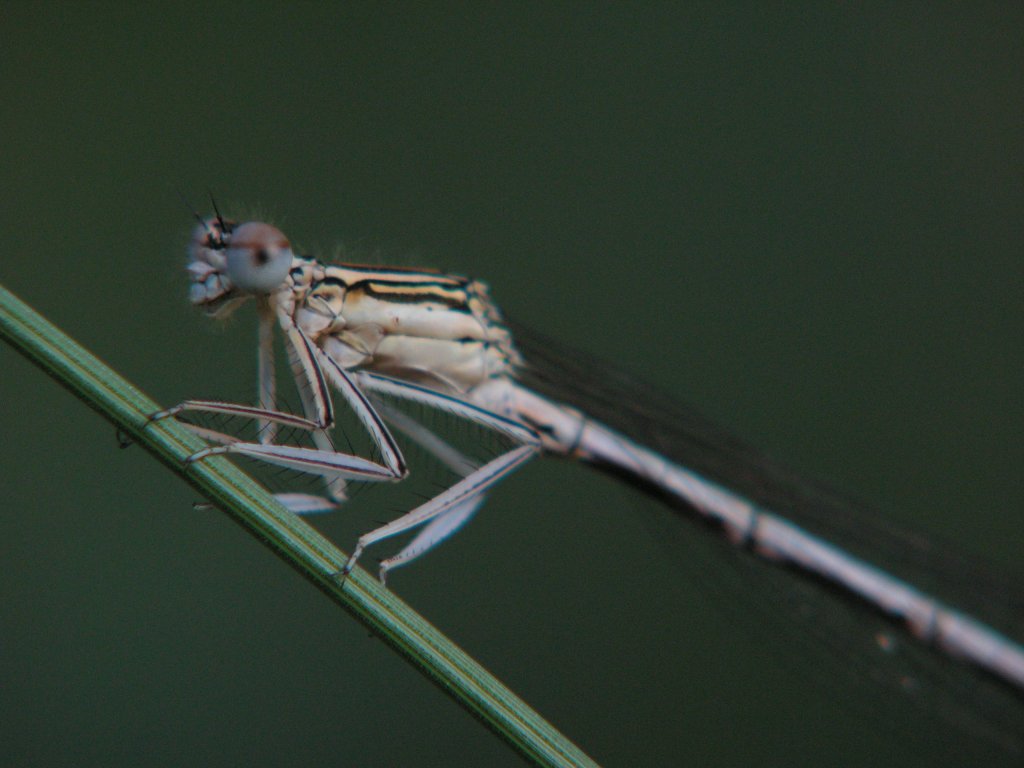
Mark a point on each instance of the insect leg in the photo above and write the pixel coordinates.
(266, 388)
(466, 490)
(433, 533)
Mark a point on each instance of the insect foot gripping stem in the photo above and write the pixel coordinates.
(205, 453)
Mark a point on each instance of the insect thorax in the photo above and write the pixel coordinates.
(441, 331)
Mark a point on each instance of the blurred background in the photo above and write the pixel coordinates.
(808, 223)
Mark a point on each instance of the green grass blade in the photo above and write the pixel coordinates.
(293, 540)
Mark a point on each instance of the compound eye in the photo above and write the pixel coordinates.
(258, 257)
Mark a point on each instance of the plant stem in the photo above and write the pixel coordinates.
(294, 541)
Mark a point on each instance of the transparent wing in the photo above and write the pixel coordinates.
(659, 421)
(871, 649)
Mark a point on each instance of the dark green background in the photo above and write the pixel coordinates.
(806, 221)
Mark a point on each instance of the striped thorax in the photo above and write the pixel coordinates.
(440, 331)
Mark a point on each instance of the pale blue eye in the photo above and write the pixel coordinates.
(258, 258)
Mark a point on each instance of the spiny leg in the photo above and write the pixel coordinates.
(303, 504)
(433, 533)
(364, 411)
(314, 393)
(463, 492)
(373, 382)
(235, 409)
(443, 526)
(316, 401)
(334, 467)
(455, 460)
(445, 520)
(331, 466)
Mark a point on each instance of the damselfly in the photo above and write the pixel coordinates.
(438, 340)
